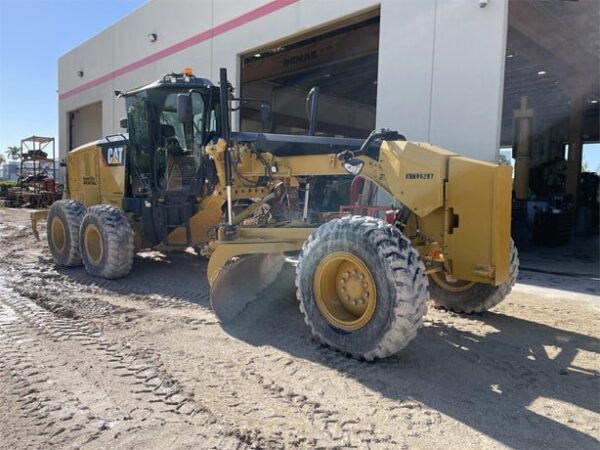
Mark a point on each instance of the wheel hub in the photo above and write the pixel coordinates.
(59, 236)
(451, 284)
(93, 244)
(345, 290)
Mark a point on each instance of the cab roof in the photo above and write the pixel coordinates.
(173, 80)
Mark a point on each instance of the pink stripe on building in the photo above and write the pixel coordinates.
(194, 40)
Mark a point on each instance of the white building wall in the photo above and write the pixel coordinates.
(468, 78)
(441, 62)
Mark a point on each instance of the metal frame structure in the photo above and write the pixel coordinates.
(34, 192)
(30, 146)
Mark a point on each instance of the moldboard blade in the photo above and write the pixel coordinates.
(242, 282)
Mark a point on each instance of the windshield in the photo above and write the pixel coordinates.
(180, 152)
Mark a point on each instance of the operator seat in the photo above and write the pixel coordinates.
(168, 137)
(181, 165)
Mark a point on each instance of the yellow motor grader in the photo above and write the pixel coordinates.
(181, 178)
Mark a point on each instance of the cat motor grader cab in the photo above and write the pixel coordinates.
(181, 178)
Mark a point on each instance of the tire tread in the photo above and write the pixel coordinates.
(119, 248)
(407, 274)
(73, 212)
(481, 297)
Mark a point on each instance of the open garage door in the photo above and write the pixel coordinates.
(551, 118)
(85, 125)
(341, 60)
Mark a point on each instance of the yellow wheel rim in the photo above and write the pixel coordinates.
(345, 291)
(442, 281)
(59, 236)
(93, 244)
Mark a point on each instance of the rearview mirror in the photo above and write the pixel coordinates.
(266, 117)
(123, 123)
(184, 108)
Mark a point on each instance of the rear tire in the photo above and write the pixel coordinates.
(64, 220)
(106, 241)
(386, 262)
(473, 297)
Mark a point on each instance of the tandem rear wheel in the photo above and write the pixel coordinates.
(106, 242)
(64, 220)
(470, 297)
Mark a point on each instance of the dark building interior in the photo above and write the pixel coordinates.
(550, 118)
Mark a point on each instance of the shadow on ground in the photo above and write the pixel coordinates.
(488, 383)
(180, 276)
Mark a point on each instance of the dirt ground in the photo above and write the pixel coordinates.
(143, 363)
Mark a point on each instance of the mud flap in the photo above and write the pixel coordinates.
(243, 281)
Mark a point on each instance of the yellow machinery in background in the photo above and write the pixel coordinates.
(181, 178)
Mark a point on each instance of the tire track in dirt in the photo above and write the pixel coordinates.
(131, 373)
(251, 394)
(270, 388)
(271, 385)
(160, 281)
(376, 409)
(237, 385)
(341, 428)
(49, 412)
(317, 426)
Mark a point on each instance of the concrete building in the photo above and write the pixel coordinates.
(470, 75)
(10, 171)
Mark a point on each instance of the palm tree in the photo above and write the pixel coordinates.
(13, 152)
(2, 159)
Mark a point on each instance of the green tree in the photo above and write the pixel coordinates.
(2, 159)
(13, 152)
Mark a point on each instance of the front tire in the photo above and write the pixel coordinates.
(64, 221)
(362, 287)
(106, 241)
(464, 297)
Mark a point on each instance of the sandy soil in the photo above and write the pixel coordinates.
(143, 363)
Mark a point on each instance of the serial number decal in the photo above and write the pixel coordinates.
(89, 180)
(114, 156)
(419, 176)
